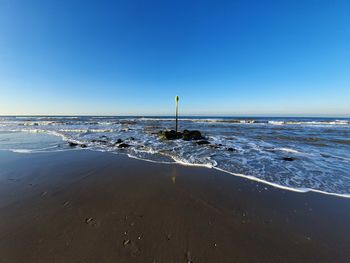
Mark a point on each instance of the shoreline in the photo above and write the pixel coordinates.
(77, 206)
(177, 162)
(314, 163)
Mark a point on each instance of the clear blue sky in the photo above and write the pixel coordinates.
(132, 57)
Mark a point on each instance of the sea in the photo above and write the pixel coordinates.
(296, 154)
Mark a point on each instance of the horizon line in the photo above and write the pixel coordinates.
(183, 115)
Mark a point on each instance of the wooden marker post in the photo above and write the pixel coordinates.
(177, 112)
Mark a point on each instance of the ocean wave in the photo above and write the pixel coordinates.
(36, 121)
(288, 150)
(276, 122)
(252, 121)
(87, 130)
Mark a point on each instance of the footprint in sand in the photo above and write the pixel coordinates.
(131, 247)
(67, 204)
(92, 222)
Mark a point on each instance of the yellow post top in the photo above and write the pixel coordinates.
(176, 98)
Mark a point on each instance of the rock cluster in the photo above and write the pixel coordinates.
(170, 135)
(193, 135)
(185, 135)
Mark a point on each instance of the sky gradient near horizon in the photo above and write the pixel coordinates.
(132, 57)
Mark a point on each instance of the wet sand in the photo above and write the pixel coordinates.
(84, 206)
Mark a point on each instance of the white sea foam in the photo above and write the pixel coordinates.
(299, 190)
(148, 160)
(276, 122)
(287, 150)
(30, 151)
(21, 150)
(208, 164)
(87, 130)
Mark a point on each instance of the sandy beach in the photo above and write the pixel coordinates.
(174, 131)
(86, 206)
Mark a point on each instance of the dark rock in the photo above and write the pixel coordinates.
(72, 144)
(126, 122)
(99, 141)
(170, 135)
(230, 149)
(123, 145)
(192, 135)
(289, 159)
(202, 142)
(119, 141)
(102, 139)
